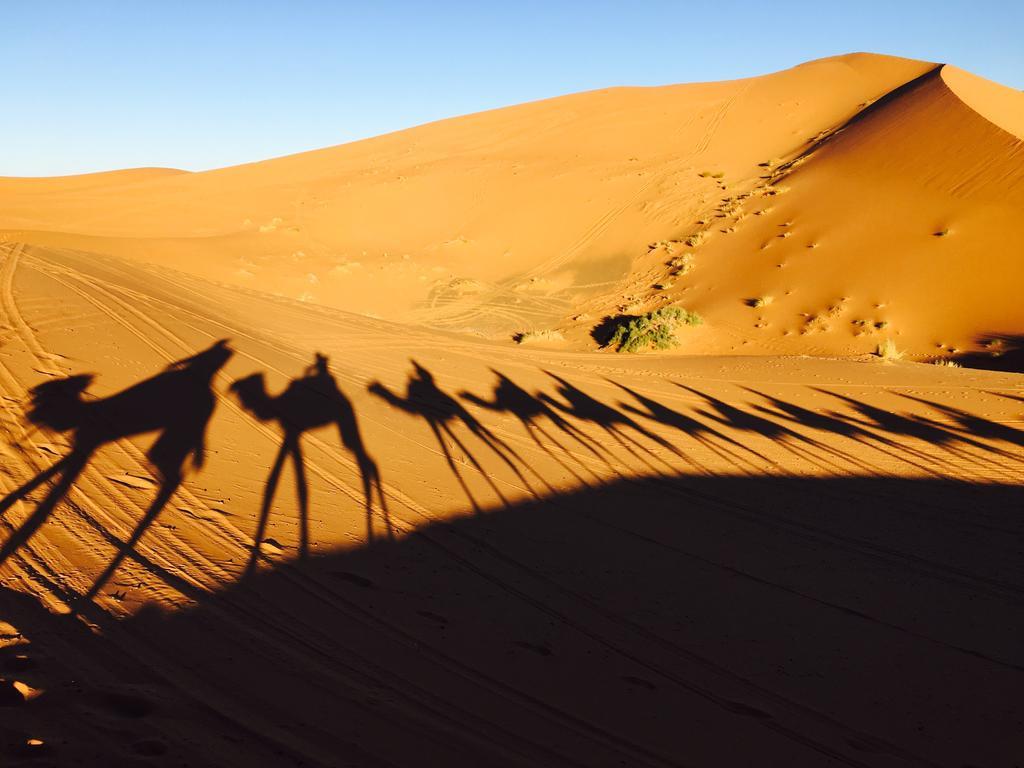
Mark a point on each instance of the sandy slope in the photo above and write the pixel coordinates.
(810, 548)
(270, 530)
(524, 217)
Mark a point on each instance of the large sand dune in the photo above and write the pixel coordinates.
(279, 490)
(837, 178)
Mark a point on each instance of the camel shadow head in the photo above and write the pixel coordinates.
(252, 393)
(59, 404)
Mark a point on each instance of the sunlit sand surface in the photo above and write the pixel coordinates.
(279, 488)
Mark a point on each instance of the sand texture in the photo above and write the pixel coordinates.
(279, 488)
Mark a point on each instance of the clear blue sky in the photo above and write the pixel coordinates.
(99, 84)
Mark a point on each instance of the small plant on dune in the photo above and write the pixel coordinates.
(888, 352)
(761, 301)
(994, 346)
(527, 337)
(942, 232)
(946, 362)
(682, 260)
(655, 330)
(696, 239)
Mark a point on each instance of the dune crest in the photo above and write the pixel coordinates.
(997, 103)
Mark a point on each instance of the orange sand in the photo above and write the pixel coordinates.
(432, 546)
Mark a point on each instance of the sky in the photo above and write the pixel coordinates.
(92, 85)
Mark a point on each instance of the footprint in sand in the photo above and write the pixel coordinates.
(23, 745)
(133, 481)
(271, 547)
(213, 514)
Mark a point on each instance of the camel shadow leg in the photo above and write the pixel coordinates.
(167, 489)
(472, 460)
(70, 468)
(302, 490)
(19, 493)
(451, 464)
(268, 498)
(371, 482)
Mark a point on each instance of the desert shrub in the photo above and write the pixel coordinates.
(761, 301)
(995, 346)
(655, 330)
(945, 362)
(681, 264)
(526, 337)
(888, 352)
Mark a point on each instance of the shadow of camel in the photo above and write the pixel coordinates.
(440, 410)
(312, 401)
(703, 434)
(615, 423)
(908, 426)
(795, 443)
(530, 410)
(177, 403)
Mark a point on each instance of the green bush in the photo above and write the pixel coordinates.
(655, 330)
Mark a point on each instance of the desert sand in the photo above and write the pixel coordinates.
(280, 489)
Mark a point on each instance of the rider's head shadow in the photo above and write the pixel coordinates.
(176, 404)
(309, 401)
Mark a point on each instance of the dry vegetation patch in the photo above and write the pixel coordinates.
(655, 330)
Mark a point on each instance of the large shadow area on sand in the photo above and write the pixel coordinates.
(686, 621)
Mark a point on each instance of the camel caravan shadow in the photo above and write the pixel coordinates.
(591, 441)
(310, 401)
(176, 404)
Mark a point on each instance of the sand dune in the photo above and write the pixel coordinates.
(836, 177)
(278, 488)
